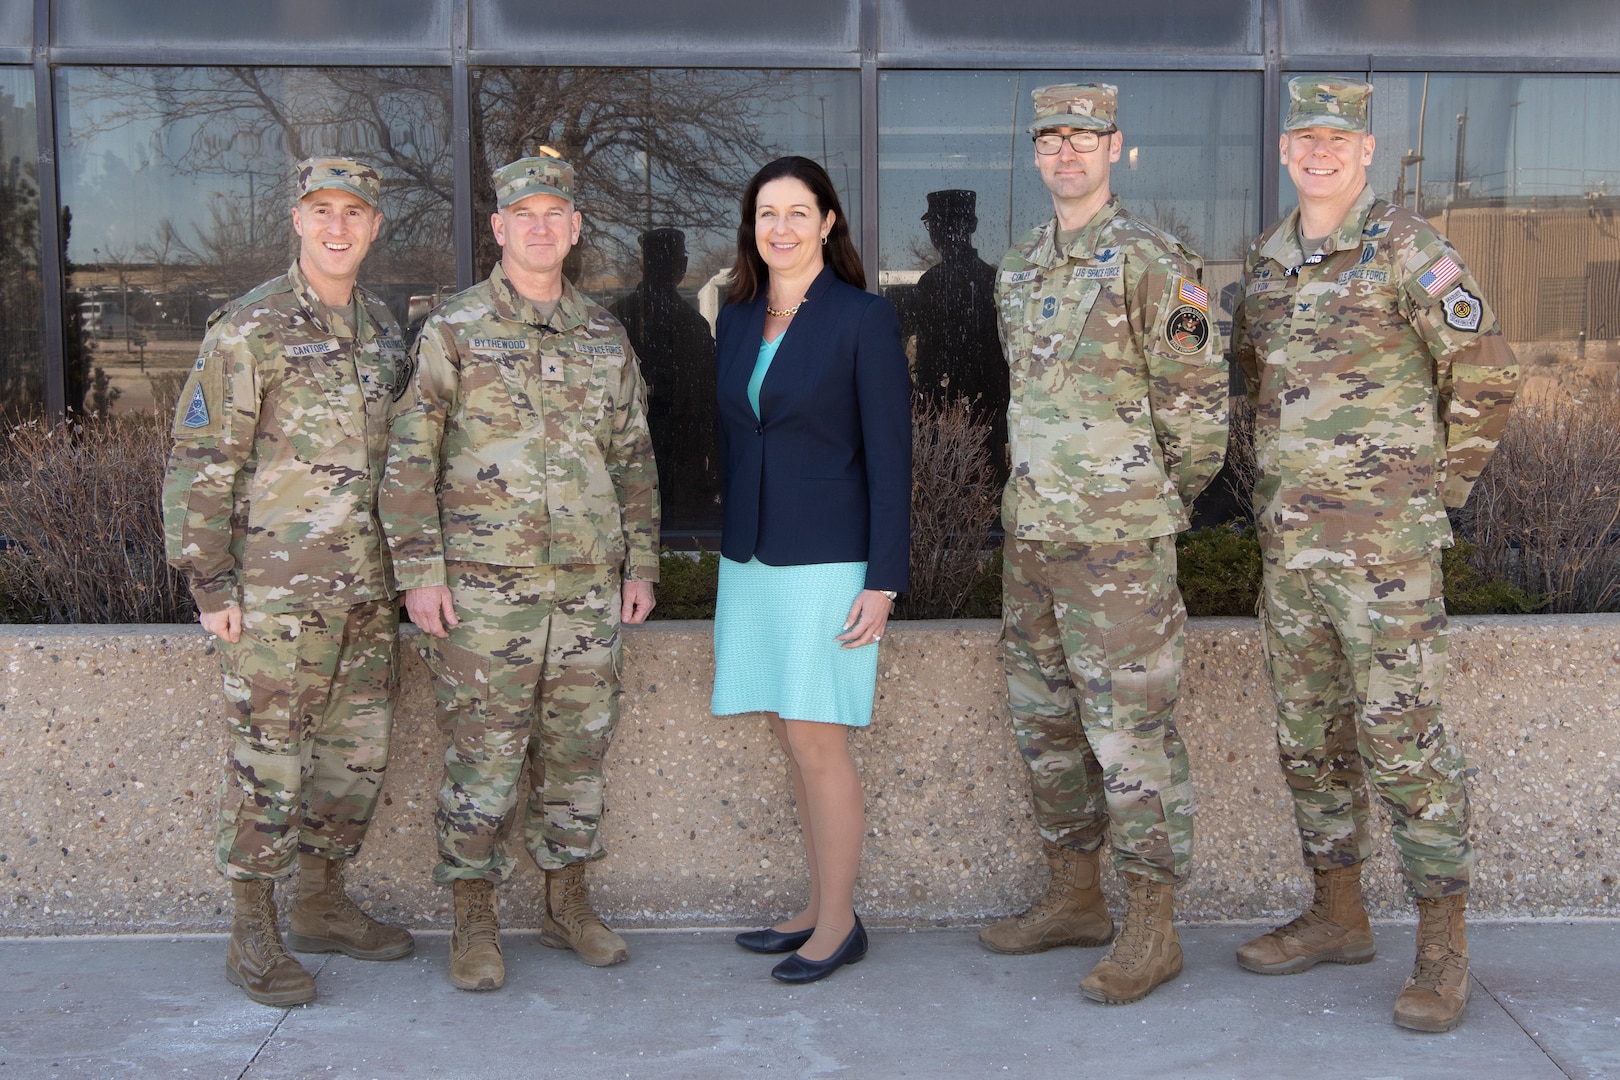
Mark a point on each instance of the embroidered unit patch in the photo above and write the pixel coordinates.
(197, 411)
(1463, 309)
(1187, 330)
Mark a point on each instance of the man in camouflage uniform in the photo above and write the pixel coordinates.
(269, 508)
(1117, 421)
(520, 496)
(1382, 384)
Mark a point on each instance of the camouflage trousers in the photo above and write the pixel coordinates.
(1093, 656)
(312, 706)
(1357, 657)
(530, 677)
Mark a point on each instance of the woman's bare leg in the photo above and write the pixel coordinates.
(832, 812)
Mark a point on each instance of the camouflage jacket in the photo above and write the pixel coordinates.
(521, 443)
(1381, 383)
(1119, 389)
(279, 439)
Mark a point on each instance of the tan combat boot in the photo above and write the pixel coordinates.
(256, 960)
(571, 924)
(1147, 951)
(1333, 930)
(326, 920)
(1072, 912)
(1433, 998)
(475, 942)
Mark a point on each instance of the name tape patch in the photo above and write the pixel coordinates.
(313, 348)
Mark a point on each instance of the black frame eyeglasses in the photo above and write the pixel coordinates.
(1081, 142)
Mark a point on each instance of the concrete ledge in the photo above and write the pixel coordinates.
(110, 749)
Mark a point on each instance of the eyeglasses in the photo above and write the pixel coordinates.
(1081, 142)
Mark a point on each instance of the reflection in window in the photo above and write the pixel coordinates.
(959, 186)
(1522, 173)
(22, 386)
(178, 183)
(661, 158)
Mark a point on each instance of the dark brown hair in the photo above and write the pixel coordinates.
(750, 274)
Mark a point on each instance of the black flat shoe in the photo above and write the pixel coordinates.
(773, 941)
(796, 969)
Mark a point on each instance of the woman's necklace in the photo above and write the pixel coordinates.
(782, 313)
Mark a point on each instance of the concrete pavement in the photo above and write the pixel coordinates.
(924, 1004)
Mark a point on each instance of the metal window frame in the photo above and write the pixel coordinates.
(869, 58)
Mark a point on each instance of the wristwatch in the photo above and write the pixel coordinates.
(890, 593)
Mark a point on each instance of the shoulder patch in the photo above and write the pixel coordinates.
(1463, 309)
(1190, 292)
(1187, 330)
(197, 412)
(1441, 273)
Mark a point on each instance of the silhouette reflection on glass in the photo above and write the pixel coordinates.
(676, 351)
(951, 312)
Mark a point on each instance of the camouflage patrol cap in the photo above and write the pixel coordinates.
(1327, 101)
(533, 176)
(345, 174)
(1085, 106)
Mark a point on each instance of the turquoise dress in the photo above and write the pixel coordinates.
(775, 631)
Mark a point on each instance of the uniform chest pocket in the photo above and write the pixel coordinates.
(318, 408)
(495, 399)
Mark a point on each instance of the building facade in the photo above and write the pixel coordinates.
(146, 153)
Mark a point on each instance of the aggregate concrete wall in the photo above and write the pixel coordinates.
(111, 743)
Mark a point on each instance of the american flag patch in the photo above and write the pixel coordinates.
(1192, 294)
(1439, 275)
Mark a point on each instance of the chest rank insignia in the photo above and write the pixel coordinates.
(551, 370)
(1049, 307)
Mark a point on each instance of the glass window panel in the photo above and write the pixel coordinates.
(671, 151)
(22, 365)
(1546, 28)
(17, 23)
(1191, 165)
(660, 26)
(179, 23)
(934, 27)
(1522, 173)
(178, 185)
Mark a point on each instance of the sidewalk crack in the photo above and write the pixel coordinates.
(1574, 1072)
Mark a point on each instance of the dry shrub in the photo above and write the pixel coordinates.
(1242, 468)
(166, 387)
(1543, 515)
(82, 524)
(954, 503)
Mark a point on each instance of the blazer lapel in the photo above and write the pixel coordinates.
(798, 359)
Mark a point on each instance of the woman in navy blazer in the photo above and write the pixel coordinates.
(815, 454)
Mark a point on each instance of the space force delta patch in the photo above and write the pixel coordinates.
(196, 412)
(1463, 309)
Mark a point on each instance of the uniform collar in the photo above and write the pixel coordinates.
(339, 322)
(513, 306)
(1083, 246)
(1282, 246)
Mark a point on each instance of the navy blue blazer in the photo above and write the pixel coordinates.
(824, 474)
